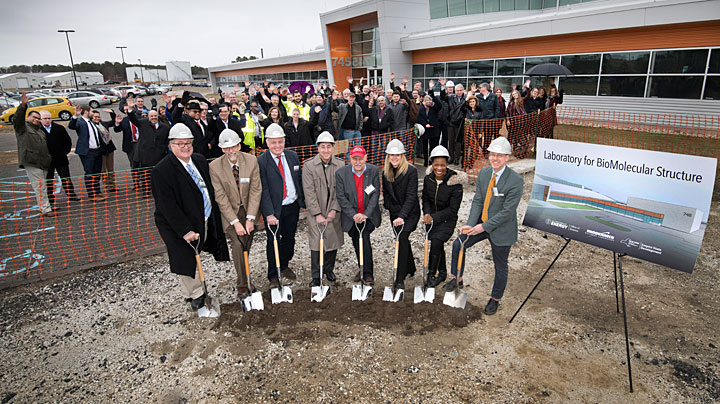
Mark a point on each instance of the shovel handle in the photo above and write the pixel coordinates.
(361, 251)
(199, 267)
(247, 264)
(397, 253)
(322, 253)
(425, 257)
(460, 258)
(277, 254)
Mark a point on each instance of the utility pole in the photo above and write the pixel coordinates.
(261, 53)
(72, 64)
(141, 72)
(122, 54)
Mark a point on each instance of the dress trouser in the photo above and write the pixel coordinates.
(108, 170)
(500, 256)
(92, 165)
(454, 142)
(190, 287)
(406, 260)
(367, 248)
(37, 177)
(437, 248)
(64, 173)
(134, 165)
(328, 264)
(428, 145)
(237, 248)
(289, 215)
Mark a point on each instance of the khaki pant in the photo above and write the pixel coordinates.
(237, 249)
(190, 287)
(108, 171)
(36, 177)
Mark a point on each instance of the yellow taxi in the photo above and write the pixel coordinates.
(59, 107)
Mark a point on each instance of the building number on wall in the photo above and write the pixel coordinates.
(346, 61)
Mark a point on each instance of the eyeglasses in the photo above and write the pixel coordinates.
(183, 145)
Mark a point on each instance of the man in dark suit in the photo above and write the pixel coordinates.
(188, 111)
(88, 147)
(183, 206)
(222, 122)
(381, 117)
(357, 188)
(152, 143)
(493, 216)
(429, 118)
(131, 134)
(282, 199)
(59, 145)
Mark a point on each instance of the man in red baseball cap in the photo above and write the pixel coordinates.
(358, 193)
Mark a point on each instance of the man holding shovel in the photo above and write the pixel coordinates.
(493, 216)
(236, 179)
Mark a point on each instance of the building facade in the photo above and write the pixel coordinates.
(626, 55)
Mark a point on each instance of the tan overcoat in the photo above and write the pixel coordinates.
(319, 188)
(229, 195)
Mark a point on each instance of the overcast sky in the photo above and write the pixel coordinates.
(206, 32)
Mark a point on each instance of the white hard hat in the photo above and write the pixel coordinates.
(500, 145)
(228, 138)
(439, 151)
(395, 146)
(180, 131)
(325, 137)
(449, 83)
(420, 128)
(274, 131)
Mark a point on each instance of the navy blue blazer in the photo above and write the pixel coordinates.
(272, 182)
(124, 126)
(83, 143)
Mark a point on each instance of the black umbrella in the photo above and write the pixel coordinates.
(549, 69)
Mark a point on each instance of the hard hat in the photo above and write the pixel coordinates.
(180, 131)
(449, 83)
(395, 146)
(228, 138)
(420, 129)
(500, 145)
(325, 137)
(439, 151)
(274, 131)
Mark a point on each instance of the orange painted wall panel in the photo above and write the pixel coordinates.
(293, 67)
(658, 37)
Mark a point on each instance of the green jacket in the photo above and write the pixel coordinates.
(502, 222)
(31, 142)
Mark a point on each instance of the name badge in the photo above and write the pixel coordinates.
(369, 189)
(496, 193)
(296, 168)
(244, 180)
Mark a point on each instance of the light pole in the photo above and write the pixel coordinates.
(122, 54)
(141, 72)
(72, 65)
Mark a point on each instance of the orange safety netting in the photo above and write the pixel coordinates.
(88, 233)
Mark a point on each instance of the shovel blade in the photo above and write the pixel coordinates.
(456, 298)
(211, 309)
(389, 296)
(318, 293)
(281, 295)
(361, 292)
(428, 295)
(253, 302)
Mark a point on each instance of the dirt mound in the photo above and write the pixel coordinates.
(280, 321)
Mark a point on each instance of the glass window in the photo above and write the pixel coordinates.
(549, 3)
(418, 71)
(438, 8)
(456, 7)
(625, 63)
(356, 48)
(507, 5)
(530, 62)
(491, 5)
(506, 84)
(688, 87)
(474, 6)
(368, 60)
(681, 61)
(457, 69)
(435, 70)
(314, 75)
(712, 88)
(522, 4)
(579, 85)
(367, 34)
(50, 101)
(357, 61)
(481, 68)
(34, 103)
(377, 46)
(536, 4)
(356, 36)
(623, 86)
(714, 61)
(567, 2)
(509, 67)
(367, 47)
(582, 64)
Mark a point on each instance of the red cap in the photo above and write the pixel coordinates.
(358, 151)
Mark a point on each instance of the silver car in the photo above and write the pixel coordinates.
(88, 98)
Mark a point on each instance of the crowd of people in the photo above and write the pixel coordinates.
(169, 147)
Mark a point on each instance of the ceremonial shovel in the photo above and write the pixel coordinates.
(282, 293)
(458, 297)
(255, 300)
(211, 307)
(360, 291)
(424, 293)
(391, 294)
(318, 293)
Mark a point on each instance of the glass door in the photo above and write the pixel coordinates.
(374, 76)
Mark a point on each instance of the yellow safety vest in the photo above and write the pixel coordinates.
(249, 130)
(304, 110)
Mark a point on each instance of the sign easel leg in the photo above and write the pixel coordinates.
(627, 340)
(617, 300)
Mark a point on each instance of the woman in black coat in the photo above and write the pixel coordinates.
(400, 185)
(441, 197)
(428, 117)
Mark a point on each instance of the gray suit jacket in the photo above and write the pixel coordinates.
(347, 198)
(502, 213)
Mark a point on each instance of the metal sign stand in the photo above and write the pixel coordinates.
(617, 264)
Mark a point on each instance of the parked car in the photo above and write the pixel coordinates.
(132, 91)
(88, 98)
(109, 82)
(102, 91)
(148, 91)
(59, 107)
(159, 88)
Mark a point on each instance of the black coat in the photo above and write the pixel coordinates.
(59, 144)
(432, 117)
(152, 143)
(400, 198)
(179, 209)
(272, 182)
(201, 140)
(234, 124)
(302, 136)
(386, 124)
(490, 107)
(442, 202)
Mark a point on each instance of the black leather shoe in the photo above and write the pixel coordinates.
(315, 282)
(358, 276)
(198, 303)
(274, 283)
(433, 282)
(491, 307)
(330, 276)
(399, 285)
(243, 292)
(288, 273)
(450, 286)
(369, 281)
(188, 300)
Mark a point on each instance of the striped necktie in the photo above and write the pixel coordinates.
(201, 185)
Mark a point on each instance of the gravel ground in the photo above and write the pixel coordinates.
(122, 333)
